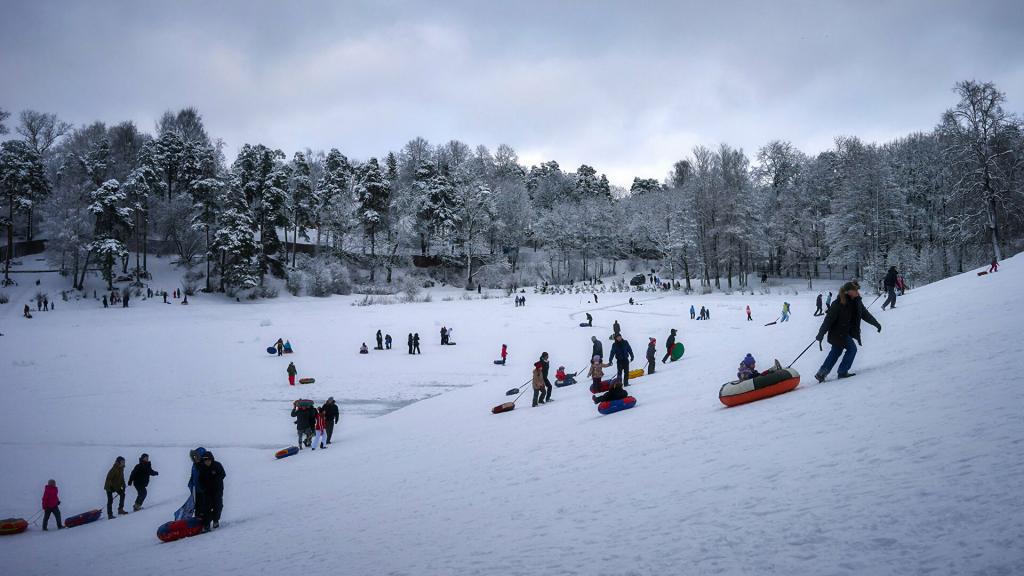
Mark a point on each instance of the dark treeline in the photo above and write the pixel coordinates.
(931, 203)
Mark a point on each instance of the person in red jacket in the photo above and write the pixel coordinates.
(504, 354)
(320, 428)
(51, 503)
(995, 266)
(292, 371)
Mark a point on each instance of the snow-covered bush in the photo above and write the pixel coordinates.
(411, 288)
(296, 282)
(190, 281)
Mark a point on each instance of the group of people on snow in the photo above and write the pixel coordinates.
(315, 426)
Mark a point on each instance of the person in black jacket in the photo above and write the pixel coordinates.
(598, 348)
(842, 324)
(890, 287)
(669, 344)
(211, 481)
(652, 351)
(140, 479)
(331, 415)
(416, 343)
(544, 370)
(410, 342)
(380, 340)
(623, 355)
(304, 419)
(817, 311)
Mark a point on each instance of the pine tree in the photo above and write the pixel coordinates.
(235, 242)
(21, 182)
(261, 177)
(113, 220)
(372, 197)
(300, 203)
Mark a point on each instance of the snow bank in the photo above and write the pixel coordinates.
(910, 467)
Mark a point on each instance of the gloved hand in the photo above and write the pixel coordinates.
(879, 328)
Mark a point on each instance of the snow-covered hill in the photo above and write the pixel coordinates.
(911, 467)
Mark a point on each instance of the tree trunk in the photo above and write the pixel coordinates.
(10, 242)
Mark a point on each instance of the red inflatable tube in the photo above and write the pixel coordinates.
(764, 386)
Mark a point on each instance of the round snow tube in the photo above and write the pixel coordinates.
(178, 529)
(764, 386)
(613, 406)
(10, 526)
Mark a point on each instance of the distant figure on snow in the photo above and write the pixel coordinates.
(410, 343)
(363, 349)
(828, 301)
(994, 267)
(545, 367)
(280, 346)
(652, 351)
(291, 373)
(817, 304)
(785, 312)
(504, 354)
(416, 343)
(319, 429)
(380, 341)
(598, 348)
(693, 312)
(590, 319)
(616, 329)
(670, 343)
(387, 341)
(749, 317)
(890, 287)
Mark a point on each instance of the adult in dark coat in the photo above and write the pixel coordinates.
(545, 366)
(211, 482)
(669, 344)
(890, 287)
(616, 329)
(114, 484)
(331, 415)
(304, 419)
(598, 348)
(817, 311)
(622, 352)
(380, 340)
(410, 342)
(652, 352)
(140, 479)
(842, 325)
(416, 343)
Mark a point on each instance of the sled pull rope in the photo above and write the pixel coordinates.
(805, 350)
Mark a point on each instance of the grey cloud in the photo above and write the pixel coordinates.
(625, 87)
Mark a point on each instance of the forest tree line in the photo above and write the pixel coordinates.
(932, 203)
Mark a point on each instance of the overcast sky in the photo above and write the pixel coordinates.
(627, 87)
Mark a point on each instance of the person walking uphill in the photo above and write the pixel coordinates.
(538, 383)
(616, 329)
(319, 428)
(545, 367)
(140, 479)
(670, 343)
(211, 482)
(817, 310)
(598, 348)
(890, 287)
(114, 484)
(291, 373)
(331, 416)
(304, 421)
(380, 340)
(51, 504)
(842, 324)
(652, 351)
(623, 355)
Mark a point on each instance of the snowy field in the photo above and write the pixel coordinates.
(912, 467)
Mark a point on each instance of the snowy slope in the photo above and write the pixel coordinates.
(913, 466)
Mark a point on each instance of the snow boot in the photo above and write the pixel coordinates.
(594, 398)
(847, 375)
(322, 447)
(122, 512)
(215, 525)
(819, 377)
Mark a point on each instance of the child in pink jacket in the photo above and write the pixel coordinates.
(51, 503)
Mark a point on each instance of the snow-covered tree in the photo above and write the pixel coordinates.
(114, 218)
(22, 182)
(372, 194)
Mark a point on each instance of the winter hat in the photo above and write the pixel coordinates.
(208, 455)
(748, 360)
(595, 359)
(653, 341)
